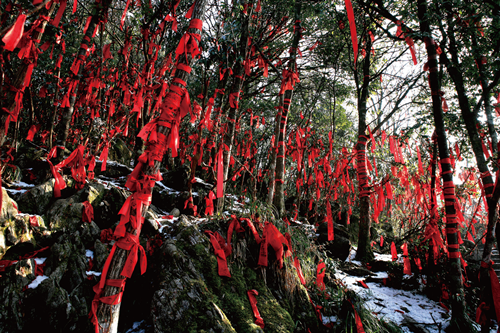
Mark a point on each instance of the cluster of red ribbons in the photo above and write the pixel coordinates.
(288, 81)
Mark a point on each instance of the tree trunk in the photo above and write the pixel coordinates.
(18, 82)
(238, 74)
(482, 164)
(63, 131)
(460, 321)
(364, 252)
(106, 304)
(274, 154)
(279, 196)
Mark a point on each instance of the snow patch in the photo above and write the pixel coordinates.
(40, 261)
(36, 282)
(89, 254)
(93, 273)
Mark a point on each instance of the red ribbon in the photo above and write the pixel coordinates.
(220, 173)
(215, 239)
(320, 275)
(13, 36)
(122, 20)
(329, 219)
(394, 252)
(352, 27)
(88, 212)
(253, 302)
(32, 132)
(407, 263)
(209, 201)
(359, 324)
(288, 81)
(272, 236)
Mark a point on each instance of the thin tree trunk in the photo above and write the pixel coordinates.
(141, 183)
(238, 74)
(63, 131)
(460, 321)
(274, 154)
(279, 196)
(364, 252)
(18, 81)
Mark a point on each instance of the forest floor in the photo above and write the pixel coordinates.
(411, 310)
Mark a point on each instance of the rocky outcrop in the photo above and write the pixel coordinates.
(340, 246)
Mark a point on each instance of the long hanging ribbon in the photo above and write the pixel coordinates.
(352, 27)
(253, 302)
(330, 220)
(122, 20)
(320, 275)
(394, 252)
(407, 263)
(220, 173)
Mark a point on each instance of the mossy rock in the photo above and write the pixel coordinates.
(37, 199)
(14, 233)
(190, 290)
(13, 281)
(9, 207)
(120, 153)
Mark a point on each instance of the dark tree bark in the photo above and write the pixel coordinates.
(460, 321)
(18, 81)
(285, 102)
(238, 74)
(101, 9)
(364, 252)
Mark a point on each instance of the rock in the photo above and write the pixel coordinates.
(177, 179)
(358, 271)
(340, 246)
(113, 170)
(101, 253)
(413, 325)
(175, 212)
(9, 207)
(12, 283)
(106, 212)
(14, 231)
(37, 199)
(119, 152)
(189, 289)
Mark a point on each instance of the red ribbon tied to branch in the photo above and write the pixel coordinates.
(288, 81)
(190, 40)
(13, 36)
(352, 27)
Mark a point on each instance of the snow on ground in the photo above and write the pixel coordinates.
(392, 304)
(138, 327)
(22, 184)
